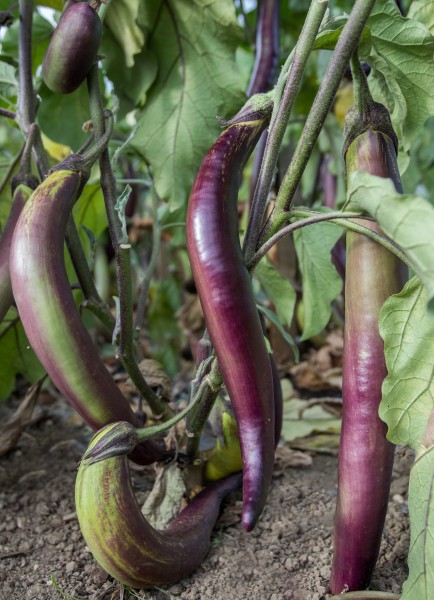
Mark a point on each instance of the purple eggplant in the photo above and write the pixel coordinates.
(121, 539)
(73, 48)
(267, 48)
(365, 455)
(224, 288)
(21, 193)
(49, 314)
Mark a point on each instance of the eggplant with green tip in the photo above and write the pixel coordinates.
(21, 194)
(73, 48)
(121, 539)
(49, 314)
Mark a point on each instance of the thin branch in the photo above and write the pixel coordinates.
(347, 43)
(280, 120)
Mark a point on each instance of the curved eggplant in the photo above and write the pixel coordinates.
(73, 48)
(231, 317)
(365, 456)
(49, 314)
(21, 194)
(121, 539)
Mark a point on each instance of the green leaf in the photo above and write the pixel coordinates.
(407, 219)
(61, 117)
(402, 76)
(8, 81)
(16, 356)
(130, 84)
(420, 582)
(327, 38)
(41, 35)
(278, 289)
(121, 19)
(407, 407)
(423, 11)
(407, 329)
(194, 42)
(321, 282)
(273, 318)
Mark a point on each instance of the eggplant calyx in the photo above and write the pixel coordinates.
(375, 116)
(116, 439)
(257, 108)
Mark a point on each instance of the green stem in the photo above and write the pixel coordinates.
(281, 112)
(205, 388)
(93, 300)
(362, 95)
(345, 47)
(4, 112)
(338, 218)
(126, 349)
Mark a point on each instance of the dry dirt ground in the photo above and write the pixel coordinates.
(287, 557)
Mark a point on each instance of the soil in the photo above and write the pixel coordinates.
(287, 557)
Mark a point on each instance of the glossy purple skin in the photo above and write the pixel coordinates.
(49, 314)
(21, 195)
(225, 292)
(267, 48)
(73, 48)
(365, 455)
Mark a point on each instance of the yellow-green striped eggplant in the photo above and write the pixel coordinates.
(121, 539)
(21, 193)
(49, 314)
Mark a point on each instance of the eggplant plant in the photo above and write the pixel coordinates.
(138, 91)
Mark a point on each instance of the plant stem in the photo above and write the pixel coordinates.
(208, 389)
(126, 348)
(338, 218)
(9, 114)
(281, 113)
(345, 47)
(156, 244)
(78, 258)
(26, 96)
(9, 172)
(362, 95)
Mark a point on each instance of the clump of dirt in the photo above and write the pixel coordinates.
(287, 557)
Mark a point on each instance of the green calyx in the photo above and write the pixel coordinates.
(257, 108)
(374, 116)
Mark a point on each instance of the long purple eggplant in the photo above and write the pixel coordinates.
(225, 292)
(365, 455)
(49, 314)
(267, 48)
(121, 539)
(21, 193)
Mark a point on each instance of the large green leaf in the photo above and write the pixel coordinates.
(402, 77)
(121, 19)
(16, 356)
(194, 42)
(423, 11)
(407, 329)
(407, 219)
(321, 281)
(130, 83)
(420, 582)
(408, 409)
